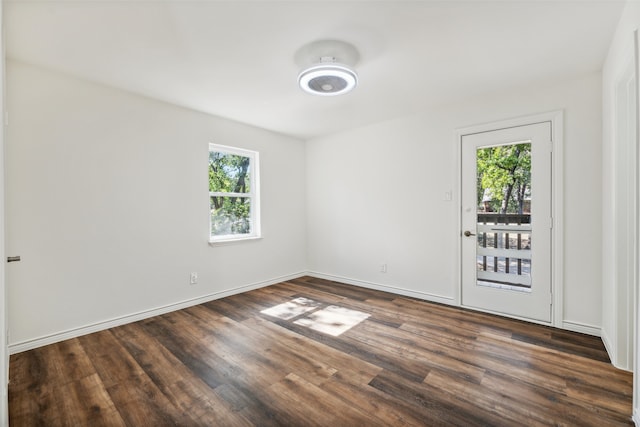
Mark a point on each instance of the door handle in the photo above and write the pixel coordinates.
(13, 258)
(467, 233)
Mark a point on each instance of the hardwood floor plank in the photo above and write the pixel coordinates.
(476, 394)
(60, 363)
(272, 355)
(87, 402)
(557, 363)
(111, 361)
(226, 347)
(317, 407)
(33, 407)
(179, 384)
(394, 363)
(409, 363)
(346, 364)
(372, 401)
(80, 402)
(347, 291)
(461, 362)
(187, 349)
(418, 358)
(140, 403)
(435, 407)
(552, 342)
(594, 394)
(228, 308)
(557, 408)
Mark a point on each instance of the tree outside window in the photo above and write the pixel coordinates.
(233, 195)
(504, 178)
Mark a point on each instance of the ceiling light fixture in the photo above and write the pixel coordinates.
(328, 78)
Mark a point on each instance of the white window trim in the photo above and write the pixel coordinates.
(254, 195)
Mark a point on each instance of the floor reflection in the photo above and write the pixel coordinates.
(332, 320)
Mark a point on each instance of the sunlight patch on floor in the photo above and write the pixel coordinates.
(291, 309)
(333, 320)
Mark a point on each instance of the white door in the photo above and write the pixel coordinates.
(506, 221)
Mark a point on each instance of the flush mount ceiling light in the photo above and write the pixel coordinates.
(327, 67)
(328, 78)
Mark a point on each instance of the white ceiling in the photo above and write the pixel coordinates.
(236, 59)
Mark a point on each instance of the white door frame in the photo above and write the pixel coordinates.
(4, 353)
(557, 248)
(635, 328)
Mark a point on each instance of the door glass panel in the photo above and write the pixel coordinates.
(503, 251)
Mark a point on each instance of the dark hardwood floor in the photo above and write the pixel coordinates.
(225, 363)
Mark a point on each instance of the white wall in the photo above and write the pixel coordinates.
(617, 330)
(376, 195)
(107, 203)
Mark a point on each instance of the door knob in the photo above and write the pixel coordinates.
(13, 258)
(467, 233)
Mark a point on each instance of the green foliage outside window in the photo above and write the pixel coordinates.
(504, 178)
(229, 189)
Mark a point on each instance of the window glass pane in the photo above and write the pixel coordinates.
(230, 215)
(234, 202)
(229, 173)
(504, 216)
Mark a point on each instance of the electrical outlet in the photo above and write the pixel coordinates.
(193, 279)
(383, 268)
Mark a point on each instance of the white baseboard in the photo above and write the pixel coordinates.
(607, 344)
(598, 332)
(386, 288)
(582, 328)
(134, 317)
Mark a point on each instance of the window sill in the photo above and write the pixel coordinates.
(233, 240)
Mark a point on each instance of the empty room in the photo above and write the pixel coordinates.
(319, 213)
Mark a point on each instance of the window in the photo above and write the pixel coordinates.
(233, 194)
